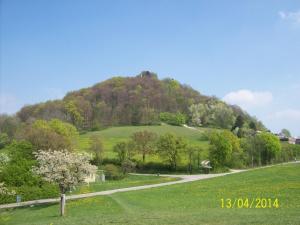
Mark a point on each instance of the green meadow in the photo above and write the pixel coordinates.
(113, 135)
(197, 202)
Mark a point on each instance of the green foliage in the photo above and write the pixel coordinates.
(9, 125)
(73, 113)
(117, 101)
(128, 166)
(27, 193)
(269, 146)
(176, 119)
(220, 149)
(193, 154)
(286, 132)
(17, 172)
(223, 116)
(121, 149)
(253, 125)
(169, 147)
(53, 134)
(288, 152)
(4, 140)
(96, 147)
(239, 122)
(113, 172)
(144, 142)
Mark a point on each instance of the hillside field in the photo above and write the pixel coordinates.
(191, 203)
(113, 135)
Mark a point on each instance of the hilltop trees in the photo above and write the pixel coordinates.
(212, 113)
(117, 101)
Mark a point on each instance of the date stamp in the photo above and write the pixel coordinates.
(249, 203)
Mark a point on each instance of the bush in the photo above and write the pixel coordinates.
(128, 166)
(113, 172)
(173, 119)
(28, 193)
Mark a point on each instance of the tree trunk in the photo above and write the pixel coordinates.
(62, 204)
(143, 158)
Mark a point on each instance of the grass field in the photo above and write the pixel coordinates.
(191, 203)
(111, 136)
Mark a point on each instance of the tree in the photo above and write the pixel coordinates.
(193, 152)
(96, 147)
(17, 171)
(63, 168)
(175, 119)
(53, 134)
(128, 166)
(286, 132)
(199, 114)
(73, 113)
(195, 114)
(239, 122)
(269, 146)
(252, 125)
(169, 147)
(4, 140)
(144, 142)
(220, 149)
(122, 151)
(9, 125)
(223, 116)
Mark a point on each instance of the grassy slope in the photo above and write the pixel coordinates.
(190, 203)
(113, 135)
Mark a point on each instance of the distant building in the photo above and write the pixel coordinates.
(294, 141)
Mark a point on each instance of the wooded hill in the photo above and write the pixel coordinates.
(138, 100)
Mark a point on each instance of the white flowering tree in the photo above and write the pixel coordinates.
(63, 168)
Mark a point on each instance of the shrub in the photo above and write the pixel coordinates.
(113, 172)
(128, 166)
(28, 193)
(176, 119)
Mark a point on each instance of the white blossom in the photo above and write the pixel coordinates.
(4, 190)
(63, 168)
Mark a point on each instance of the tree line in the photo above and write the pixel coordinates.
(139, 100)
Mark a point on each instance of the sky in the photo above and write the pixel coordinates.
(243, 52)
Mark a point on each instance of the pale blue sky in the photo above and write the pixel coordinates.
(245, 52)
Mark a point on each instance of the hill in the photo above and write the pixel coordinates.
(138, 100)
